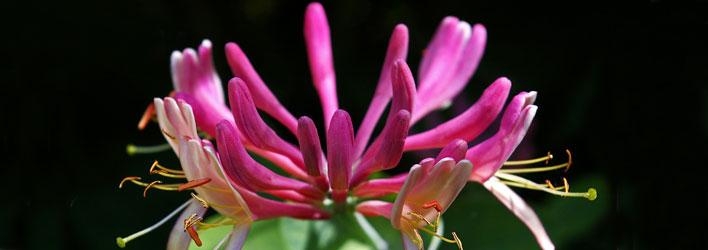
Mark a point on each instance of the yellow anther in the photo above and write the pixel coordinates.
(566, 186)
(191, 220)
(550, 185)
(457, 240)
(202, 201)
(149, 186)
(129, 178)
(156, 164)
(570, 159)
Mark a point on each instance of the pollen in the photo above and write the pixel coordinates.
(149, 186)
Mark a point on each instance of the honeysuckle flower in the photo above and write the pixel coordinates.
(319, 182)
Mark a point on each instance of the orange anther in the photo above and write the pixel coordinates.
(194, 235)
(550, 185)
(566, 186)
(570, 160)
(193, 184)
(149, 186)
(434, 204)
(147, 115)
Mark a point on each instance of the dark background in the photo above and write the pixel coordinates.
(623, 86)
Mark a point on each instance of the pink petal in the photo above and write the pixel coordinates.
(467, 125)
(380, 187)
(237, 236)
(432, 54)
(310, 146)
(253, 127)
(263, 97)
(263, 208)
(397, 50)
(414, 176)
(340, 147)
(488, 156)
(456, 150)
(443, 183)
(453, 65)
(240, 168)
(194, 73)
(176, 121)
(319, 52)
(206, 116)
(519, 208)
(179, 239)
(375, 208)
(387, 150)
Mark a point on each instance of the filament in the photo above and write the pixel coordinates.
(155, 184)
(149, 186)
(122, 241)
(133, 149)
(546, 158)
(437, 235)
(518, 181)
(565, 165)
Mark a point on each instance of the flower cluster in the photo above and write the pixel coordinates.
(320, 181)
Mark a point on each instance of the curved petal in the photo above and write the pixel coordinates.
(310, 146)
(340, 150)
(397, 50)
(387, 150)
(375, 208)
(319, 52)
(252, 126)
(456, 150)
(263, 97)
(380, 187)
(522, 210)
(467, 125)
(489, 155)
(237, 237)
(179, 239)
(240, 168)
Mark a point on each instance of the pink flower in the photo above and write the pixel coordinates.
(228, 179)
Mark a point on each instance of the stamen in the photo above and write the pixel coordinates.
(195, 236)
(565, 165)
(550, 185)
(149, 186)
(132, 149)
(147, 116)
(570, 159)
(457, 239)
(129, 178)
(517, 181)
(566, 186)
(437, 235)
(420, 217)
(221, 222)
(434, 204)
(193, 184)
(163, 168)
(202, 201)
(546, 158)
(122, 241)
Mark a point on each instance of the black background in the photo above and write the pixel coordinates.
(624, 86)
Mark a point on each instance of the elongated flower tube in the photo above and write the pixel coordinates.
(233, 168)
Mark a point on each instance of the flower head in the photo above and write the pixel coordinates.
(318, 181)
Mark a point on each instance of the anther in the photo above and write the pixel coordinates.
(149, 186)
(570, 160)
(193, 184)
(550, 157)
(129, 178)
(202, 201)
(156, 164)
(566, 186)
(434, 204)
(550, 185)
(194, 235)
(457, 240)
(147, 116)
